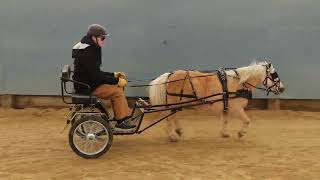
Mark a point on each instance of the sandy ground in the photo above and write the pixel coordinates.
(279, 145)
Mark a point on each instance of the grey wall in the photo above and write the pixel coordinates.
(150, 37)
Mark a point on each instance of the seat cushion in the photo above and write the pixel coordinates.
(83, 99)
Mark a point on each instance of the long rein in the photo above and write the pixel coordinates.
(151, 79)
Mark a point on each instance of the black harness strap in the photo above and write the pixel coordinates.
(224, 83)
(167, 85)
(181, 95)
(181, 92)
(194, 92)
(237, 73)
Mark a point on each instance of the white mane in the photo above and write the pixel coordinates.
(253, 70)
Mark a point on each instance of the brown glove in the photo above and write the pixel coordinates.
(119, 75)
(122, 82)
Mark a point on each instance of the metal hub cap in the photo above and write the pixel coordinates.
(91, 137)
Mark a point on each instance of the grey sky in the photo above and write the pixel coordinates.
(150, 37)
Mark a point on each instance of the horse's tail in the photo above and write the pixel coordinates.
(157, 89)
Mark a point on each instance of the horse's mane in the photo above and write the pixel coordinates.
(254, 69)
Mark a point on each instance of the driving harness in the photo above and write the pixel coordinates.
(244, 93)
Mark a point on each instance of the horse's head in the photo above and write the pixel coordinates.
(272, 80)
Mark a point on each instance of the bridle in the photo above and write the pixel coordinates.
(274, 78)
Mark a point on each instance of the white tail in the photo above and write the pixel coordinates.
(157, 89)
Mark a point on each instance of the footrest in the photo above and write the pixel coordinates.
(83, 99)
(142, 103)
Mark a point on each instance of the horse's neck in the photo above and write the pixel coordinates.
(252, 74)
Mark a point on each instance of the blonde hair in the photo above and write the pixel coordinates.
(245, 73)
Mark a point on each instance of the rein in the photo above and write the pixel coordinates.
(146, 85)
(273, 78)
(210, 73)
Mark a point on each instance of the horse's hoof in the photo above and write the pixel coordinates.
(241, 134)
(225, 135)
(173, 138)
(179, 132)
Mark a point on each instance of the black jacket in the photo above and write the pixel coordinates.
(87, 62)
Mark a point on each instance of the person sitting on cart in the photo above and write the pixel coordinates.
(106, 85)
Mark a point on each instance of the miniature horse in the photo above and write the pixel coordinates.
(183, 86)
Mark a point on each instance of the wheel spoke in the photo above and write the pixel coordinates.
(80, 134)
(92, 146)
(90, 137)
(101, 132)
(91, 128)
(85, 146)
(83, 129)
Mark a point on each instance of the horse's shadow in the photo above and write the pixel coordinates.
(188, 146)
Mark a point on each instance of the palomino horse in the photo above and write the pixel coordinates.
(167, 89)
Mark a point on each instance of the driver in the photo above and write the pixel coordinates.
(105, 85)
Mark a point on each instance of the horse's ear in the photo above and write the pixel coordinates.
(269, 65)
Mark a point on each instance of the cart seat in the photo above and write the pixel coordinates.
(83, 99)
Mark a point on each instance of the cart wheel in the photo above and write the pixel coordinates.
(90, 137)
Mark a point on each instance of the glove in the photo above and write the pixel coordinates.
(122, 82)
(119, 75)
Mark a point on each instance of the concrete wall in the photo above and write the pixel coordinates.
(150, 37)
(301, 104)
(46, 101)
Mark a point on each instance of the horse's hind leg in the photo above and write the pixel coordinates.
(178, 130)
(173, 133)
(224, 132)
(245, 123)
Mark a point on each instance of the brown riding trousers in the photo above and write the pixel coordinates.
(118, 99)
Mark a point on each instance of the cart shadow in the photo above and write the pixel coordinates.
(154, 145)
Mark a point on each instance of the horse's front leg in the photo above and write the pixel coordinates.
(224, 120)
(245, 123)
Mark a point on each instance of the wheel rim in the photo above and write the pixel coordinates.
(90, 137)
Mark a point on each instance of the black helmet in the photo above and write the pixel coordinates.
(96, 30)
